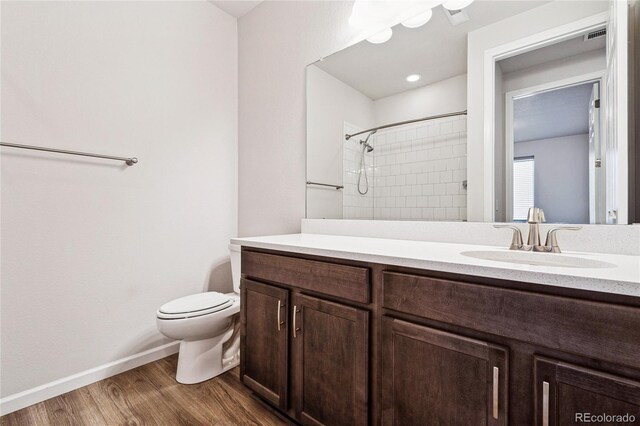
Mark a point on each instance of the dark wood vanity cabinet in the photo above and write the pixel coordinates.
(430, 377)
(330, 362)
(335, 342)
(265, 339)
(568, 394)
(307, 356)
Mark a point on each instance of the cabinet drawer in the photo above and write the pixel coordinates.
(346, 282)
(570, 325)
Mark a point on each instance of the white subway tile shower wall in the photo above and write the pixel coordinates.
(355, 205)
(418, 173)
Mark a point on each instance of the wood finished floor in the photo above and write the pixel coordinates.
(149, 395)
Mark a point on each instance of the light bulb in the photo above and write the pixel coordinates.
(413, 78)
(456, 4)
(418, 20)
(381, 37)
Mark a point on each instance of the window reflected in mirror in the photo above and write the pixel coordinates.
(523, 187)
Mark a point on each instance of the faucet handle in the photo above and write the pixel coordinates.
(535, 215)
(551, 243)
(516, 239)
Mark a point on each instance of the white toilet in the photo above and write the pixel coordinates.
(208, 326)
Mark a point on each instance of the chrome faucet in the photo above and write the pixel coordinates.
(535, 216)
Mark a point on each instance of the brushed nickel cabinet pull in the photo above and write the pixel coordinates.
(496, 376)
(545, 403)
(295, 329)
(279, 306)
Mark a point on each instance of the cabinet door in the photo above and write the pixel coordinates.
(566, 394)
(264, 341)
(330, 362)
(430, 377)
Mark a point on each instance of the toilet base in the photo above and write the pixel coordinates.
(201, 360)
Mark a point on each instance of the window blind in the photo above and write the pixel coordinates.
(523, 187)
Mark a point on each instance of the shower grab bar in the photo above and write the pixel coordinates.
(338, 187)
(400, 123)
(129, 161)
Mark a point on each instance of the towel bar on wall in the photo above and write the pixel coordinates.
(129, 161)
(338, 187)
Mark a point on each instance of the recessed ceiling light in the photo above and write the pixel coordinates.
(418, 20)
(381, 37)
(413, 78)
(456, 4)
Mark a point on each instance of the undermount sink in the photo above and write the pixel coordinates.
(538, 259)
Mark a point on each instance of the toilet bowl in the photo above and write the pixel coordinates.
(207, 325)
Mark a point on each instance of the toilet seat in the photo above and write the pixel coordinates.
(195, 305)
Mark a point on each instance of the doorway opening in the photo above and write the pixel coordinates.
(558, 125)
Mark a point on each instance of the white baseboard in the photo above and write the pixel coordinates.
(32, 396)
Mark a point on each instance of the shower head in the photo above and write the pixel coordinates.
(365, 143)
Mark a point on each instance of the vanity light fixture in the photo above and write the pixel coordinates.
(370, 15)
(418, 20)
(413, 78)
(456, 4)
(381, 37)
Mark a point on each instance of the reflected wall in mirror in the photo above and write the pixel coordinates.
(546, 120)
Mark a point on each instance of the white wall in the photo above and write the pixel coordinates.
(536, 20)
(561, 184)
(330, 103)
(277, 40)
(91, 248)
(443, 96)
(577, 65)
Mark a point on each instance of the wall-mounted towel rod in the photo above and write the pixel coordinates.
(400, 123)
(129, 161)
(325, 184)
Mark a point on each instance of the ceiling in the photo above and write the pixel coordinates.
(236, 8)
(561, 112)
(436, 50)
(565, 49)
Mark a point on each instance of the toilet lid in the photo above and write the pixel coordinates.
(196, 304)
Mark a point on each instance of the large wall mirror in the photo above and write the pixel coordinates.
(394, 131)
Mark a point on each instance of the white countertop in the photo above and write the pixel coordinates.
(623, 278)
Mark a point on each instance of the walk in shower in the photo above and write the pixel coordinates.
(415, 171)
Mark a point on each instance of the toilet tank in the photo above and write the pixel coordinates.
(234, 253)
